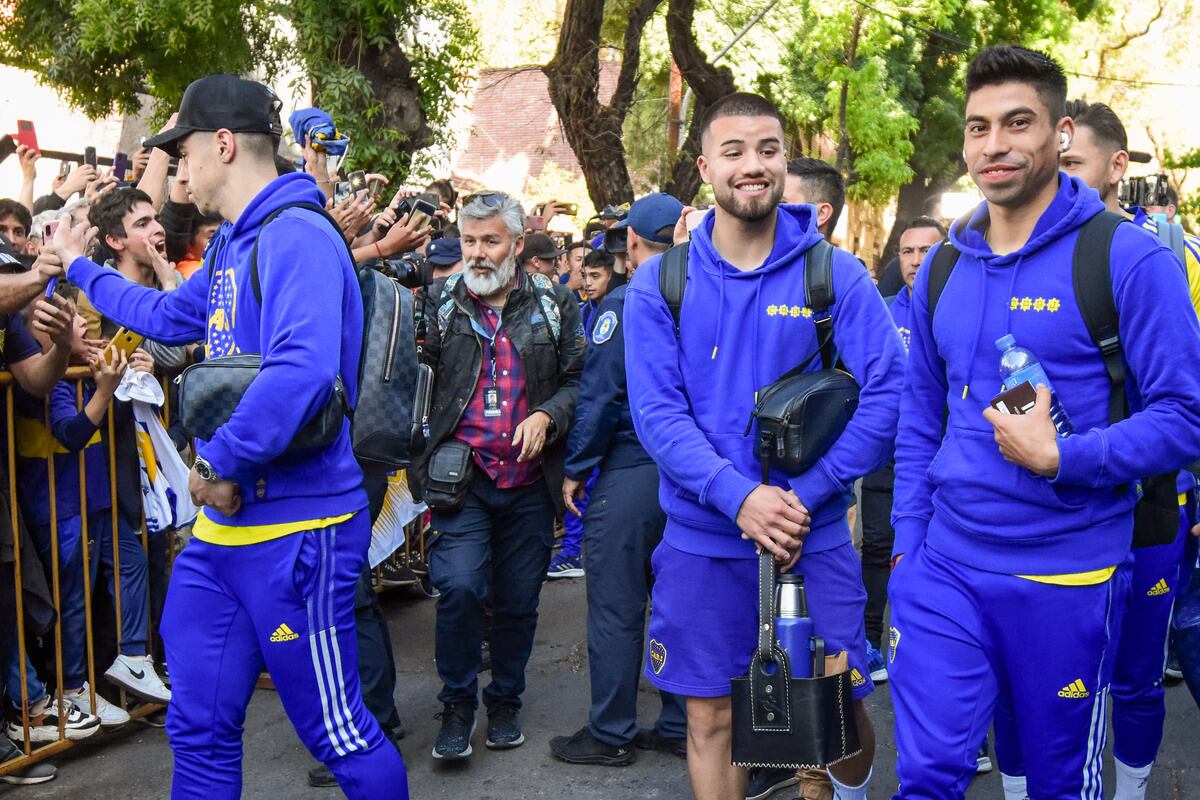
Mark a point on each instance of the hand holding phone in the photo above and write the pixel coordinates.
(89, 156)
(26, 135)
(126, 341)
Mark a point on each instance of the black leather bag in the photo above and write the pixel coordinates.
(802, 414)
(785, 722)
(211, 390)
(449, 475)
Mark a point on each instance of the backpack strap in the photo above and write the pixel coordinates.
(818, 294)
(1091, 275)
(944, 261)
(672, 280)
(1171, 234)
(255, 282)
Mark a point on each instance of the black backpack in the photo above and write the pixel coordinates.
(1156, 515)
(387, 426)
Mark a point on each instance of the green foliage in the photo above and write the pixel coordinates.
(102, 53)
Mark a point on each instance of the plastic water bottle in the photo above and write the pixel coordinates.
(1018, 365)
(793, 626)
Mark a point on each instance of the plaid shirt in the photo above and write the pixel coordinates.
(491, 437)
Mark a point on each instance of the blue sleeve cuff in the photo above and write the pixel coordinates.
(816, 487)
(726, 491)
(1081, 460)
(223, 462)
(910, 532)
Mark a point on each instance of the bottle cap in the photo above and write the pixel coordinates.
(1005, 342)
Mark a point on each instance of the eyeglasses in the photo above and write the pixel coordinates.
(488, 198)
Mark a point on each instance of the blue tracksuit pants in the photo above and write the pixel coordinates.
(288, 604)
(1138, 699)
(963, 638)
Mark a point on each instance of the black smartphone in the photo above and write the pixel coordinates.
(341, 190)
(64, 169)
(8, 146)
(89, 156)
(120, 166)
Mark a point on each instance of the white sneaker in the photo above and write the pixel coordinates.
(136, 675)
(43, 723)
(110, 715)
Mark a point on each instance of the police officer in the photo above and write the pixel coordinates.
(622, 526)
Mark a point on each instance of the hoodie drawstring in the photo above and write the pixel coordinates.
(1012, 282)
(720, 315)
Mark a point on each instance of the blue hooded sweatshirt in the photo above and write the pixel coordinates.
(956, 492)
(691, 398)
(308, 330)
(901, 308)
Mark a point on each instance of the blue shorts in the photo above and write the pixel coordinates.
(704, 619)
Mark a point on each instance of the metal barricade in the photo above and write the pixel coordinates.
(56, 700)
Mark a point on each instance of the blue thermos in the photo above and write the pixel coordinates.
(793, 626)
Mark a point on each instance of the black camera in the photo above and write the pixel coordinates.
(1147, 190)
(410, 270)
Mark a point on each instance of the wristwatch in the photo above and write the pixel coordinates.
(205, 470)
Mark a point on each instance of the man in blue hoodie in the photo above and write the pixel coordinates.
(269, 578)
(1099, 156)
(1012, 543)
(744, 322)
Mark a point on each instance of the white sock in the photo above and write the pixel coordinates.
(843, 792)
(1014, 787)
(1131, 781)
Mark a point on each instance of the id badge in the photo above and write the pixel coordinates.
(491, 402)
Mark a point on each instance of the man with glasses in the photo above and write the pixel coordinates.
(506, 350)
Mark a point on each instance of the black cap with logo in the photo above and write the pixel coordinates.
(222, 101)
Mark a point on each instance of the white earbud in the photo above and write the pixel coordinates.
(1066, 141)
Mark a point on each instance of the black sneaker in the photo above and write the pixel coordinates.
(40, 772)
(395, 571)
(504, 729)
(764, 782)
(583, 748)
(651, 739)
(454, 739)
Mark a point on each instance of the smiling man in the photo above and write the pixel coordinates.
(743, 323)
(1011, 557)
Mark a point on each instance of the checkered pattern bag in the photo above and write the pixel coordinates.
(211, 390)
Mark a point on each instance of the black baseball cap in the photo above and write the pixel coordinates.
(222, 101)
(540, 245)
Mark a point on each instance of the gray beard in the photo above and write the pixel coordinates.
(500, 277)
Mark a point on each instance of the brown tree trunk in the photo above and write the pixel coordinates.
(389, 72)
(593, 131)
(708, 82)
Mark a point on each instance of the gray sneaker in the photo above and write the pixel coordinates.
(40, 772)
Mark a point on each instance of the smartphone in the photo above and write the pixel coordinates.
(47, 237)
(358, 180)
(127, 341)
(432, 198)
(423, 211)
(8, 146)
(341, 190)
(89, 156)
(570, 209)
(120, 165)
(26, 135)
(375, 187)
(64, 169)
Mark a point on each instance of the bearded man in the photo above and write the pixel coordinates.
(506, 351)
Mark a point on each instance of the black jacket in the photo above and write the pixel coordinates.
(551, 363)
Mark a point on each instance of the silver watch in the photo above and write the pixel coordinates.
(205, 471)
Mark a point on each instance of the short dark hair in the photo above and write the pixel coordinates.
(925, 222)
(1102, 120)
(822, 183)
(12, 208)
(1172, 196)
(599, 258)
(260, 146)
(108, 212)
(1004, 64)
(581, 243)
(739, 104)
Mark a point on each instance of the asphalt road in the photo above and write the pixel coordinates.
(136, 763)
